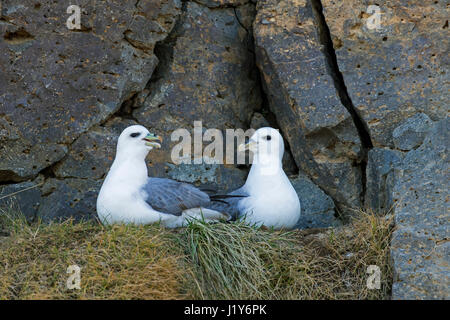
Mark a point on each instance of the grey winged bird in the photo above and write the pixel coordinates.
(128, 195)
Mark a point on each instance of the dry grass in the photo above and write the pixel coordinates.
(201, 261)
(119, 262)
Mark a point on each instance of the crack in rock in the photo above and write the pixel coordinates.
(341, 88)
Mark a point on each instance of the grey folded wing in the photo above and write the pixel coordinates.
(230, 204)
(170, 196)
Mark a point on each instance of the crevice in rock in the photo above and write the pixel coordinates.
(251, 41)
(341, 88)
(10, 177)
(163, 51)
(83, 29)
(239, 21)
(338, 209)
(363, 167)
(48, 172)
(135, 44)
(136, 5)
(218, 6)
(18, 37)
(264, 108)
(333, 67)
(126, 109)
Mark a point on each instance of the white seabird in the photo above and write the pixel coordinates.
(128, 195)
(267, 197)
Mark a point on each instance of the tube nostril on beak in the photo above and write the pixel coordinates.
(153, 140)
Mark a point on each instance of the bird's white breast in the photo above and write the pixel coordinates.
(272, 204)
(120, 198)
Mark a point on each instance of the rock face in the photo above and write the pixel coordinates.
(26, 197)
(411, 133)
(380, 179)
(317, 208)
(69, 198)
(72, 189)
(56, 83)
(420, 247)
(209, 76)
(302, 95)
(92, 153)
(394, 69)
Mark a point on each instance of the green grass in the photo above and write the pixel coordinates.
(201, 261)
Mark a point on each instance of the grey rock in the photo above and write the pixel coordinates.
(22, 197)
(396, 70)
(392, 73)
(91, 155)
(317, 207)
(420, 245)
(210, 76)
(221, 3)
(380, 177)
(258, 121)
(221, 178)
(410, 134)
(69, 198)
(57, 83)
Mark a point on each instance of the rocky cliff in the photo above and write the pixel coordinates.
(359, 92)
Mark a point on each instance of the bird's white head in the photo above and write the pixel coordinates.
(136, 141)
(265, 143)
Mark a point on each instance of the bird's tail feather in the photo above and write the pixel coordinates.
(209, 191)
(219, 200)
(219, 197)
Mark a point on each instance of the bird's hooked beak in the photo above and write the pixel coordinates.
(251, 145)
(153, 140)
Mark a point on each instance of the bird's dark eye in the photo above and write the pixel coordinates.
(134, 135)
(268, 138)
